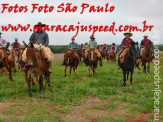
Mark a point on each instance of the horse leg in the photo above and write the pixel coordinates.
(41, 83)
(127, 77)
(145, 67)
(10, 71)
(29, 85)
(70, 69)
(131, 79)
(65, 70)
(93, 69)
(26, 77)
(74, 68)
(148, 67)
(124, 78)
(48, 81)
(89, 71)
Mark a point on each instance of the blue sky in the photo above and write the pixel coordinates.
(127, 12)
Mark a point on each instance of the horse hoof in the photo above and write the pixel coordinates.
(127, 82)
(130, 86)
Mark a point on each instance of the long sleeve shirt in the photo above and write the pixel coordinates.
(40, 38)
(92, 44)
(73, 46)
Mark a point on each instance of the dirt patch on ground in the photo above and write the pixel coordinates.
(58, 57)
(118, 110)
(87, 112)
(142, 117)
(4, 106)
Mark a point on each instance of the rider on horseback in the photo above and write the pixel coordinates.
(144, 43)
(72, 46)
(126, 43)
(4, 44)
(40, 37)
(16, 45)
(113, 49)
(105, 48)
(93, 45)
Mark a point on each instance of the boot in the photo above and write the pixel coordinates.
(100, 61)
(63, 63)
(86, 61)
(119, 67)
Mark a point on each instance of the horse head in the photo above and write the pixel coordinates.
(30, 54)
(92, 55)
(148, 50)
(70, 57)
(133, 50)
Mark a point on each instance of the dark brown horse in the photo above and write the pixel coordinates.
(129, 63)
(36, 66)
(111, 56)
(147, 55)
(69, 59)
(103, 54)
(92, 61)
(6, 61)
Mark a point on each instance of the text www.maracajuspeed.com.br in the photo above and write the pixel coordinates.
(76, 28)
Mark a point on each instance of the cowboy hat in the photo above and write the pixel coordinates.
(113, 43)
(128, 33)
(92, 36)
(145, 36)
(1, 33)
(40, 24)
(16, 38)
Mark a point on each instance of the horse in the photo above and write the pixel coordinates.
(111, 56)
(69, 60)
(81, 55)
(147, 57)
(6, 61)
(12, 59)
(129, 63)
(20, 61)
(103, 54)
(92, 61)
(36, 66)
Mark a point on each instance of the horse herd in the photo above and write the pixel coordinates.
(37, 68)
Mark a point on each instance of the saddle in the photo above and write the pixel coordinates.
(122, 55)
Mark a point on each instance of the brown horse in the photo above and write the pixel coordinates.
(92, 61)
(103, 54)
(6, 61)
(81, 55)
(20, 61)
(147, 57)
(69, 59)
(36, 66)
(111, 56)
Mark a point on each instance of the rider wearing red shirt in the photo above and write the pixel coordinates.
(145, 42)
(16, 45)
(126, 42)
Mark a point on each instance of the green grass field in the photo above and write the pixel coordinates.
(79, 98)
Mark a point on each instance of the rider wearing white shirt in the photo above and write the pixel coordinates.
(4, 43)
